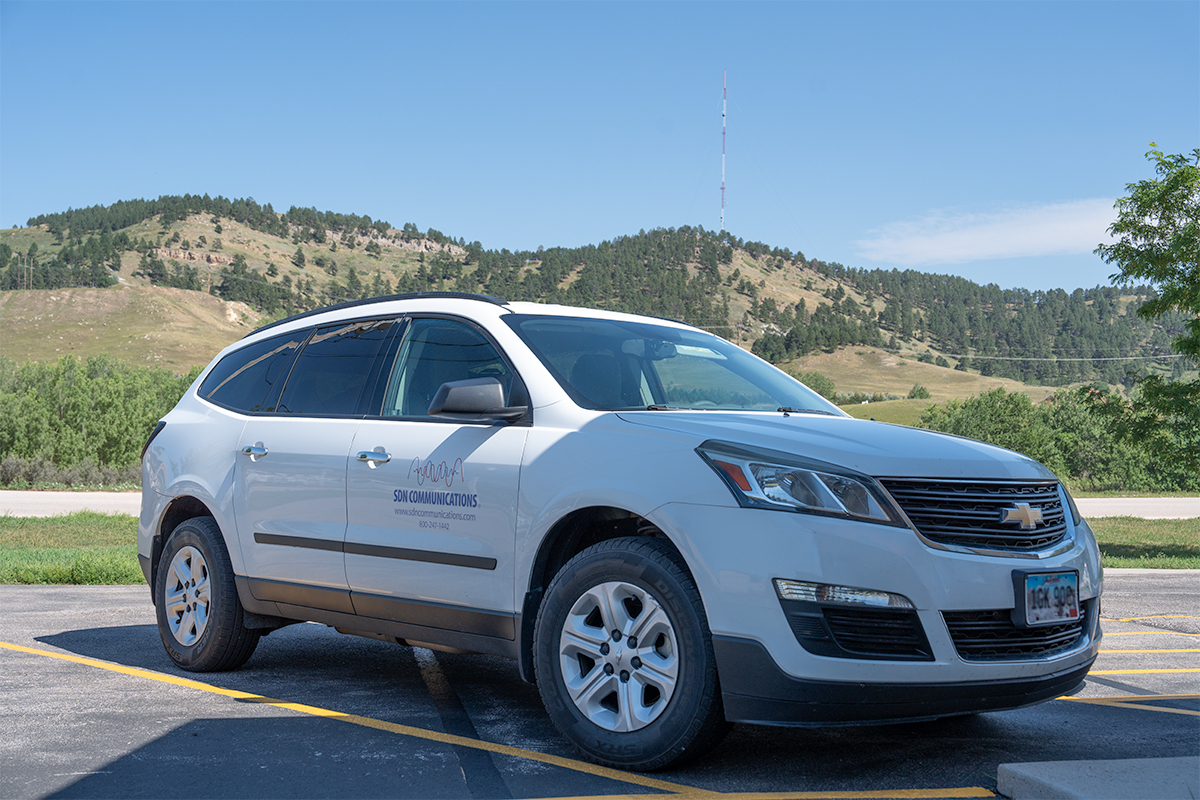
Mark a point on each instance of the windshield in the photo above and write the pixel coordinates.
(613, 365)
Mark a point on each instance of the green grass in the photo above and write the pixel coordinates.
(1122, 493)
(101, 549)
(51, 486)
(81, 548)
(1148, 543)
(898, 412)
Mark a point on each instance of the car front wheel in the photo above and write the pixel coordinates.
(624, 658)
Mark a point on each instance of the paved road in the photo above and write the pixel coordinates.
(47, 504)
(1144, 507)
(91, 707)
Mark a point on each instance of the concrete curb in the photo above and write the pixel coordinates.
(1122, 779)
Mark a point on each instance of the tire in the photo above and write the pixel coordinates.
(200, 618)
(646, 706)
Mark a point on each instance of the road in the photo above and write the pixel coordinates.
(48, 504)
(90, 706)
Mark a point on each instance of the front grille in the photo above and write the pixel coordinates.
(992, 636)
(969, 513)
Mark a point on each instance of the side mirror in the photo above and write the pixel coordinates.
(481, 398)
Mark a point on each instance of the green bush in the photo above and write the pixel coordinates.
(1084, 436)
(89, 417)
(819, 384)
(918, 392)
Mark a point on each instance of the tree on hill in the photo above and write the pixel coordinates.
(1158, 238)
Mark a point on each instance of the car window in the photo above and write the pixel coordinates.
(614, 365)
(249, 379)
(334, 369)
(697, 377)
(437, 351)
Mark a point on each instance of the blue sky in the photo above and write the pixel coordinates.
(987, 140)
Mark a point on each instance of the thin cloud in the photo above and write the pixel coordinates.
(941, 238)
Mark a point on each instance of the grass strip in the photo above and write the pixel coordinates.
(82, 548)
(101, 549)
(1148, 543)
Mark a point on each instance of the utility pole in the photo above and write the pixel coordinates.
(25, 275)
(724, 76)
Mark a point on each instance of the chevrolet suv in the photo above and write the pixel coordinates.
(666, 533)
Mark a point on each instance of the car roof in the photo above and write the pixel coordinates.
(444, 302)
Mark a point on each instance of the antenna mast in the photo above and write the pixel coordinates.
(724, 75)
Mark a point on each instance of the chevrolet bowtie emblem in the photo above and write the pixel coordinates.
(1027, 515)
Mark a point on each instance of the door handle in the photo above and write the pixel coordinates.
(372, 458)
(255, 451)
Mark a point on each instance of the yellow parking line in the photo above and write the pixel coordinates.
(1157, 616)
(367, 722)
(1117, 702)
(1194, 650)
(1137, 671)
(1137, 697)
(905, 794)
(1149, 633)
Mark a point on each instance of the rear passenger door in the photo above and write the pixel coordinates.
(433, 501)
(290, 486)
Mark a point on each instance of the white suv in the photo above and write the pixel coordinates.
(667, 533)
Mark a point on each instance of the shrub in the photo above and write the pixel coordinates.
(819, 384)
(80, 422)
(918, 392)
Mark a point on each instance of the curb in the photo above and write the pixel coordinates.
(1120, 779)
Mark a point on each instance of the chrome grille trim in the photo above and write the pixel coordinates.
(965, 515)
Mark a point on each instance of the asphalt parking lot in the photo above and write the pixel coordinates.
(90, 706)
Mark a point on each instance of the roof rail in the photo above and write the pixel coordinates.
(483, 298)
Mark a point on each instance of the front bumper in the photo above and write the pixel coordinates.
(768, 675)
(754, 689)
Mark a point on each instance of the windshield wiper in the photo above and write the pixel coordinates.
(661, 408)
(790, 410)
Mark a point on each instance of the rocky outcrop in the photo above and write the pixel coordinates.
(188, 255)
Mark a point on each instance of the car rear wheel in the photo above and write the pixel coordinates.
(624, 658)
(200, 619)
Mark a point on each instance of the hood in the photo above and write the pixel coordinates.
(874, 448)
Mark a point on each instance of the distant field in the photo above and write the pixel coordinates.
(898, 412)
(871, 370)
(146, 325)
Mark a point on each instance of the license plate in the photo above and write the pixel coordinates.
(1047, 598)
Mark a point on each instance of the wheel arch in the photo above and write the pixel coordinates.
(571, 534)
(178, 511)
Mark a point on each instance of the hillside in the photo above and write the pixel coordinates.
(150, 325)
(854, 325)
(875, 371)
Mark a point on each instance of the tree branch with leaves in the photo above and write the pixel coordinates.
(1157, 235)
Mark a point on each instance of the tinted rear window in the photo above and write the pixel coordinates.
(249, 380)
(336, 367)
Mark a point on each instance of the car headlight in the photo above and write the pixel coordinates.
(768, 479)
(1076, 517)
